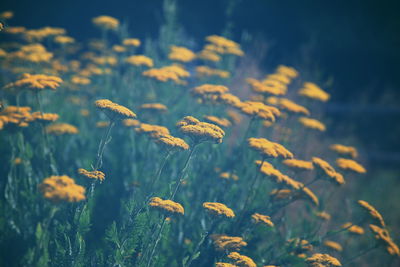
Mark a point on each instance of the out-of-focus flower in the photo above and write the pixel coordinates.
(374, 213)
(131, 42)
(328, 171)
(259, 110)
(269, 149)
(168, 73)
(182, 54)
(313, 91)
(61, 128)
(35, 82)
(297, 164)
(222, 122)
(351, 165)
(333, 245)
(354, 229)
(200, 131)
(64, 39)
(62, 188)
(139, 60)
(312, 124)
(344, 150)
(242, 260)
(106, 22)
(207, 71)
(114, 110)
(321, 260)
(262, 219)
(227, 243)
(270, 88)
(218, 209)
(154, 107)
(383, 236)
(168, 206)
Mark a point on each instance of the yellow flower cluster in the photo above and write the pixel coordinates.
(131, 42)
(208, 55)
(171, 143)
(242, 260)
(18, 116)
(140, 60)
(229, 99)
(62, 188)
(297, 164)
(154, 131)
(179, 53)
(113, 110)
(228, 175)
(131, 123)
(289, 72)
(167, 205)
(224, 264)
(107, 60)
(92, 174)
(15, 30)
(374, 213)
(351, 165)
(312, 124)
(344, 150)
(228, 243)
(106, 22)
(200, 131)
(155, 107)
(75, 79)
(35, 53)
(42, 33)
(102, 124)
(119, 49)
(313, 91)
(328, 171)
(354, 229)
(262, 219)
(6, 15)
(384, 236)
(323, 215)
(269, 149)
(218, 209)
(333, 245)
(209, 91)
(61, 128)
(168, 73)
(322, 260)
(223, 45)
(44, 117)
(207, 71)
(61, 39)
(279, 178)
(271, 87)
(36, 82)
(288, 105)
(259, 110)
(222, 122)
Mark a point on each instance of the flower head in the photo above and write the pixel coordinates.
(322, 260)
(333, 245)
(344, 150)
(131, 42)
(139, 60)
(222, 122)
(179, 53)
(106, 22)
(297, 164)
(61, 128)
(168, 206)
(114, 110)
(312, 124)
(62, 188)
(351, 165)
(171, 143)
(92, 174)
(200, 131)
(224, 242)
(242, 260)
(328, 171)
(36, 82)
(259, 110)
(374, 213)
(218, 209)
(268, 148)
(354, 229)
(262, 219)
(313, 91)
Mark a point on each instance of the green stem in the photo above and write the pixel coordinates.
(102, 145)
(156, 243)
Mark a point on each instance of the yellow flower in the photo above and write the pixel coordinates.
(131, 42)
(64, 39)
(351, 165)
(374, 213)
(268, 148)
(222, 122)
(224, 264)
(154, 131)
(327, 170)
(17, 116)
(242, 260)
(354, 229)
(119, 48)
(218, 209)
(280, 194)
(102, 124)
(207, 71)
(208, 55)
(92, 174)
(80, 80)
(156, 107)
(311, 90)
(84, 112)
(200, 131)
(271, 88)
(171, 143)
(312, 124)
(229, 99)
(167, 73)
(139, 60)
(323, 215)
(61, 128)
(44, 117)
(287, 71)
(297, 164)
(344, 150)
(227, 176)
(259, 110)
(131, 123)
(209, 91)
(15, 30)
(290, 106)
(106, 22)
(263, 219)
(309, 195)
(6, 15)
(168, 206)
(17, 161)
(333, 245)
(109, 60)
(42, 33)
(36, 82)
(321, 260)
(224, 242)
(384, 236)
(280, 77)
(179, 53)
(62, 188)
(277, 177)
(234, 116)
(224, 45)
(113, 110)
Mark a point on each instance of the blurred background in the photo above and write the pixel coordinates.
(352, 45)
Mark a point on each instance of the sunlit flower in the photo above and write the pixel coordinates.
(80, 80)
(280, 77)
(119, 48)
(374, 213)
(156, 107)
(289, 106)
(168, 73)
(42, 33)
(287, 71)
(229, 99)
(383, 236)
(64, 39)
(44, 117)
(207, 71)
(92, 174)
(242, 260)
(259, 110)
(139, 60)
(130, 123)
(168, 206)
(106, 22)
(312, 124)
(171, 143)
(200, 131)
(351, 165)
(16, 116)
(269, 149)
(333, 245)
(313, 91)
(309, 195)
(61, 128)
(222, 122)
(62, 188)
(328, 171)
(113, 110)
(208, 55)
(154, 131)
(262, 219)
(131, 42)
(321, 260)
(323, 215)
(35, 82)
(218, 209)
(209, 91)
(354, 229)
(224, 45)
(227, 243)
(297, 164)
(183, 54)
(276, 176)
(270, 88)
(344, 150)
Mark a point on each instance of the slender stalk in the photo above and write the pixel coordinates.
(156, 243)
(182, 172)
(102, 145)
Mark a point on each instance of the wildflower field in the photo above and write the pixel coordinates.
(117, 151)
